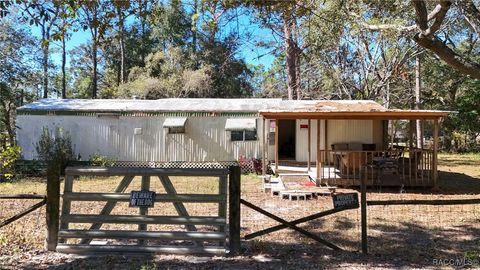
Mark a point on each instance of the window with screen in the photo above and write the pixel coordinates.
(176, 130)
(243, 135)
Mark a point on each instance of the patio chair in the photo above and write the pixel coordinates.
(352, 162)
(409, 165)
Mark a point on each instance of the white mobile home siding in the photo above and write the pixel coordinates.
(205, 138)
(338, 131)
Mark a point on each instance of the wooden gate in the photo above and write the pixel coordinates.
(200, 233)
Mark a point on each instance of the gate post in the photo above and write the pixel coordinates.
(234, 209)
(363, 210)
(53, 205)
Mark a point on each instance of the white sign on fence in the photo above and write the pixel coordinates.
(143, 198)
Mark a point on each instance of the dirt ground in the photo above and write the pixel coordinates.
(398, 236)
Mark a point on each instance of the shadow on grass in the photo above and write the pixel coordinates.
(450, 183)
(400, 245)
(392, 244)
(458, 183)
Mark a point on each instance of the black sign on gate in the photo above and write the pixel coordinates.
(143, 198)
(345, 200)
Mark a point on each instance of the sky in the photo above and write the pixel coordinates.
(248, 51)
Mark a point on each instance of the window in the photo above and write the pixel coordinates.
(242, 129)
(176, 130)
(243, 135)
(175, 125)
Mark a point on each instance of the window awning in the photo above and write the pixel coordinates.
(174, 122)
(241, 124)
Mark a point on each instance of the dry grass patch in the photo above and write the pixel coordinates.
(398, 235)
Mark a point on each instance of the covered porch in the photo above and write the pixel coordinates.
(345, 163)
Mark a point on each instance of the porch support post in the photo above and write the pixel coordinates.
(319, 164)
(325, 134)
(264, 148)
(276, 146)
(410, 134)
(309, 145)
(435, 153)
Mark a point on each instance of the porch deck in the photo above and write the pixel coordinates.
(412, 168)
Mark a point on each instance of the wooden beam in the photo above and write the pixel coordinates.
(67, 203)
(424, 202)
(22, 196)
(52, 209)
(346, 115)
(318, 163)
(158, 235)
(234, 210)
(297, 221)
(435, 154)
(264, 147)
(290, 225)
(325, 139)
(181, 210)
(309, 142)
(410, 133)
(136, 219)
(108, 207)
(363, 212)
(276, 145)
(132, 171)
(125, 197)
(145, 186)
(222, 206)
(107, 249)
(19, 215)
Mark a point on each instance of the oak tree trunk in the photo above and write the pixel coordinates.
(122, 45)
(45, 47)
(418, 87)
(290, 54)
(64, 73)
(94, 61)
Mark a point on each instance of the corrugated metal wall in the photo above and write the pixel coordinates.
(339, 131)
(301, 147)
(205, 138)
(344, 131)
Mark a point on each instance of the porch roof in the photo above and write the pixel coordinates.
(345, 109)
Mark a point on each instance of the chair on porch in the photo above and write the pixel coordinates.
(408, 166)
(352, 162)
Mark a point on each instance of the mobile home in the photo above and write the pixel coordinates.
(212, 129)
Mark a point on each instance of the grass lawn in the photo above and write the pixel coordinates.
(399, 236)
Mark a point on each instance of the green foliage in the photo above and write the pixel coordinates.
(55, 149)
(100, 160)
(8, 156)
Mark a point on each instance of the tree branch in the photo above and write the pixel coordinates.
(470, 12)
(395, 27)
(421, 17)
(440, 16)
(449, 56)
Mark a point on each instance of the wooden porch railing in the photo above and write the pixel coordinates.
(409, 167)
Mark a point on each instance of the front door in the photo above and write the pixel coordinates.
(286, 139)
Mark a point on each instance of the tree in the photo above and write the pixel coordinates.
(96, 17)
(45, 15)
(428, 24)
(288, 15)
(17, 73)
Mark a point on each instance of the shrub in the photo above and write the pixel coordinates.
(56, 150)
(8, 156)
(100, 160)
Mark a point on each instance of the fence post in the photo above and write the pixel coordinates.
(53, 205)
(234, 209)
(363, 211)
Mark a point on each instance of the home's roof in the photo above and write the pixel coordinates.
(159, 105)
(269, 108)
(344, 109)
